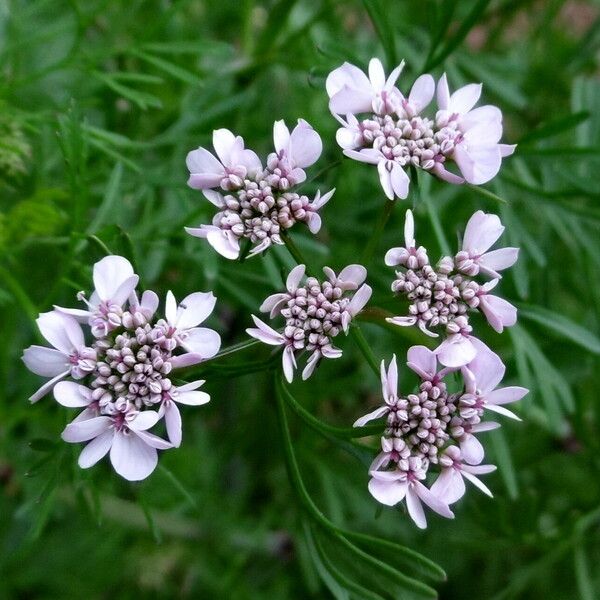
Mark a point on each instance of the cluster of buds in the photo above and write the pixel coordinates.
(314, 314)
(121, 379)
(441, 296)
(254, 203)
(393, 134)
(434, 429)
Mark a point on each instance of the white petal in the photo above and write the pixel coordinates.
(109, 274)
(201, 161)
(376, 74)
(294, 278)
(305, 145)
(409, 230)
(421, 92)
(415, 508)
(192, 398)
(171, 309)
(144, 420)
(41, 392)
(71, 394)
(202, 341)
(478, 483)
(264, 333)
(388, 492)
(131, 457)
(193, 309)
(465, 98)
(61, 330)
(224, 142)
(376, 414)
(46, 362)
(82, 431)
(422, 361)
(443, 93)
(288, 361)
(281, 136)
(436, 504)
(360, 299)
(385, 178)
(96, 450)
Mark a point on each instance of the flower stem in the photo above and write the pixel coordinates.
(295, 251)
(371, 246)
(325, 428)
(363, 346)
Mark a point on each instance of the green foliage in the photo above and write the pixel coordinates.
(99, 103)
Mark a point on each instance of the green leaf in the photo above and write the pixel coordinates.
(378, 11)
(555, 127)
(168, 67)
(108, 208)
(505, 462)
(561, 325)
(142, 99)
(585, 585)
(454, 42)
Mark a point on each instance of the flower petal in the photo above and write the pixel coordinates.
(506, 395)
(109, 274)
(305, 145)
(46, 362)
(422, 361)
(388, 492)
(82, 431)
(294, 278)
(376, 414)
(131, 457)
(61, 330)
(465, 98)
(421, 92)
(265, 334)
(193, 309)
(71, 394)
(96, 450)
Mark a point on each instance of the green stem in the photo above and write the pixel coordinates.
(363, 346)
(19, 293)
(295, 251)
(236, 348)
(386, 213)
(325, 428)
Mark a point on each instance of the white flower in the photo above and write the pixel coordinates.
(315, 313)
(69, 355)
(132, 449)
(201, 343)
(391, 487)
(234, 163)
(450, 484)
(351, 91)
(477, 131)
(114, 282)
(481, 233)
(183, 394)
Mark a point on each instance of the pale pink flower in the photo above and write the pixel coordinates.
(498, 312)
(389, 388)
(450, 484)
(114, 282)
(183, 319)
(482, 375)
(391, 487)
(233, 165)
(351, 91)
(132, 448)
(481, 233)
(184, 394)
(472, 135)
(324, 310)
(68, 356)
(75, 395)
(293, 153)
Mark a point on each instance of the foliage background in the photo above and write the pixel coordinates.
(99, 103)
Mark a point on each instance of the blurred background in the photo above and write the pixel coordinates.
(99, 103)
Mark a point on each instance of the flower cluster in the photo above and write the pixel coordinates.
(441, 297)
(121, 376)
(434, 429)
(314, 314)
(392, 132)
(254, 203)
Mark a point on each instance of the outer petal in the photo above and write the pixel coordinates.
(96, 450)
(478, 483)
(360, 299)
(173, 423)
(46, 362)
(443, 93)
(311, 365)
(202, 341)
(349, 100)
(61, 330)
(376, 74)
(224, 143)
(41, 392)
(109, 274)
(82, 431)
(436, 504)
(346, 75)
(482, 232)
(456, 351)
(400, 181)
(421, 92)
(498, 260)
(498, 312)
(191, 398)
(487, 367)
(294, 278)
(72, 395)
(352, 276)
(478, 164)
(415, 508)
(224, 242)
(376, 414)
(385, 178)
(265, 334)
(305, 145)
(465, 98)
(471, 449)
(131, 457)
(449, 486)
(388, 492)
(193, 309)
(281, 136)
(289, 363)
(422, 361)
(505, 395)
